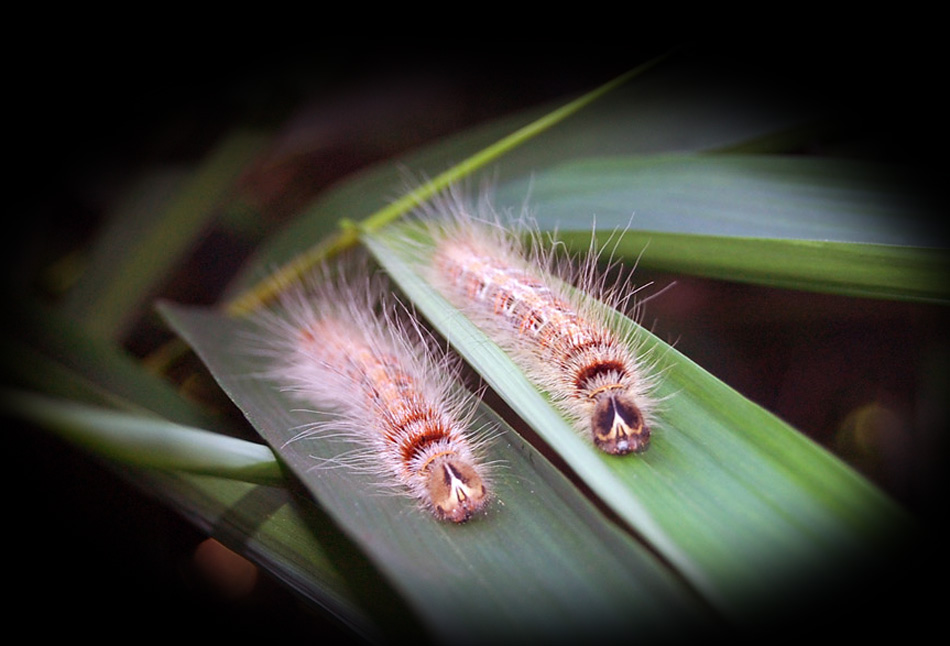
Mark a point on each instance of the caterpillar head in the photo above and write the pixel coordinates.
(617, 424)
(455, 488)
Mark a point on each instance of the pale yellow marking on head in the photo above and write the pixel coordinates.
(425, 465)
(597, 391)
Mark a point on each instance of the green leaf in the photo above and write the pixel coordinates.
(729, 494)
(830, 225)
(844, 268)
(44, 350)
(541, 562)
(146, 441)
(761, 196)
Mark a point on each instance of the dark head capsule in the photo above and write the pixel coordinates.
(617, 424)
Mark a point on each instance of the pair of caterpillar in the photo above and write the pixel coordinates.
(389, 387)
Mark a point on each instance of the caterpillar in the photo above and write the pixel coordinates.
(524, 300)
(340, 344)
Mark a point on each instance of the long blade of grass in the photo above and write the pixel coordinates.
(542, 561)
(763, 196)
(145, 441)
(730, 495)
(895, 272)
(831, 225)
(43, 350)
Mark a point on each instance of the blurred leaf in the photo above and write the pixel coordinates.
(284, 533)
(761, 196)
(852, 228)
(146, 441)
(845, 268)
(41, 349)
(149, 233)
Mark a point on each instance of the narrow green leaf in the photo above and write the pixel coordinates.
(761, 196)
(838, 226)
(845, 268)
(541, 562)
(45, 351)
(146, 441)
(730, 495)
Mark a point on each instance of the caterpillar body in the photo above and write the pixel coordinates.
(340, 343)
(515, 295)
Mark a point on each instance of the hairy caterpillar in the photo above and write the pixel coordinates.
(340, 343)
(562, 341)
